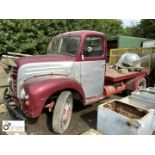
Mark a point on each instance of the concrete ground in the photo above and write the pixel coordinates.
(83, 119)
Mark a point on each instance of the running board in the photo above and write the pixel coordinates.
(92, 100)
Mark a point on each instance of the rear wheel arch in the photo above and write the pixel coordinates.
(141, 83)
(133, 84)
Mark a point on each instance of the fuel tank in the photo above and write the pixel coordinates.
(146, 59)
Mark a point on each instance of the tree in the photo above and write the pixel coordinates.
(146, 29)
(108, 26)
(32, 36)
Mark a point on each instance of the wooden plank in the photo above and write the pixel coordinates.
(3, 74)
(3, 82)
(114, 76)
(1, 94)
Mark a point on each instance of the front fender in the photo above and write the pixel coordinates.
(40, 88)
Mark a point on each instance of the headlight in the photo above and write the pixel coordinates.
(22, 94)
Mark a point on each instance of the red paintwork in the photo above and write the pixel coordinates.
(94, 34)
(133, 83)
(43, 58)
(40, 88)
(94, 99)
(111, 90)
(60, 57)
(124, 77)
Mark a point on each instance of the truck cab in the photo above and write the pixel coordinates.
(73, 69)
(88, 52)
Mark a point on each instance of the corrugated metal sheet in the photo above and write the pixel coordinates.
(127, 42)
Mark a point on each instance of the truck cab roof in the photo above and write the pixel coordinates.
(81, 33)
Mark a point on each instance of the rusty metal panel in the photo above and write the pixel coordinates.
(137, 102)
(140, 103)
(118, 118)
(147, 95)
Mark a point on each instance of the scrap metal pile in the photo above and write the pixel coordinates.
(5, 67)
(132, 59)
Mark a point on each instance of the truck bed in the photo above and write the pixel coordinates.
(113, 75)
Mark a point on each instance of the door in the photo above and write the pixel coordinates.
(93, 66)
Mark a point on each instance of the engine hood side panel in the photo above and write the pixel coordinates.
(43, 68)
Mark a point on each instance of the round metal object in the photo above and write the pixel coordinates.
(132, 59)
(129, 60)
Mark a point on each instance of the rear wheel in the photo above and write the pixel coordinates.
(62, 112)
(141, 84)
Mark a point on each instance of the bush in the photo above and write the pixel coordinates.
(32, 36)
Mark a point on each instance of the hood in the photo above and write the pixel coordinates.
(44, 58)
(43, 65)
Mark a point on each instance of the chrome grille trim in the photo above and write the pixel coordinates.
(14, 80)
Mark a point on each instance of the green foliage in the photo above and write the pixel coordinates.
(32, 36)
(146, 29)
(108, 26)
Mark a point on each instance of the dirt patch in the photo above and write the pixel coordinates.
(83, 119)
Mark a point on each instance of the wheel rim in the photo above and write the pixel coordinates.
(142, 86)
(67, 113)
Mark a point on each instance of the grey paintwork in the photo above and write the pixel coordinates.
(145, 95)
(112, 122)
(137, 102)
(90, 74)
(140, 103)
(92, 77)
(42, 68)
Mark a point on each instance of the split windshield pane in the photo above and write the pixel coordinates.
(65, 45)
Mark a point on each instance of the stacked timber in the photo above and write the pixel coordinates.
(3, 82)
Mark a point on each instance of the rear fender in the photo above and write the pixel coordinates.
(41, 88)
(132, 83)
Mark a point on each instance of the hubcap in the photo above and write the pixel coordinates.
(67, 112)
(141, 86)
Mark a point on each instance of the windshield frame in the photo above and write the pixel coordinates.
(49, 51)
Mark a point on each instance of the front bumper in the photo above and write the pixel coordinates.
(12, 107)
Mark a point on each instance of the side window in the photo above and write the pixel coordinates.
(93, 47)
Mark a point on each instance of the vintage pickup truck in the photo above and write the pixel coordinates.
(73, 68)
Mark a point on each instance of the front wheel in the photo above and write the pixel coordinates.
(62, 112)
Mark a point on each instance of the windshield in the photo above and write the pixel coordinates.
(65, 45)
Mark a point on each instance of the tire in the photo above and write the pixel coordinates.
(62, 112)
(142, 84)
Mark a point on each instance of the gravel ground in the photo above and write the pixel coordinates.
(83, 119)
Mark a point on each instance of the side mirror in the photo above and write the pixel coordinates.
(89, 49)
